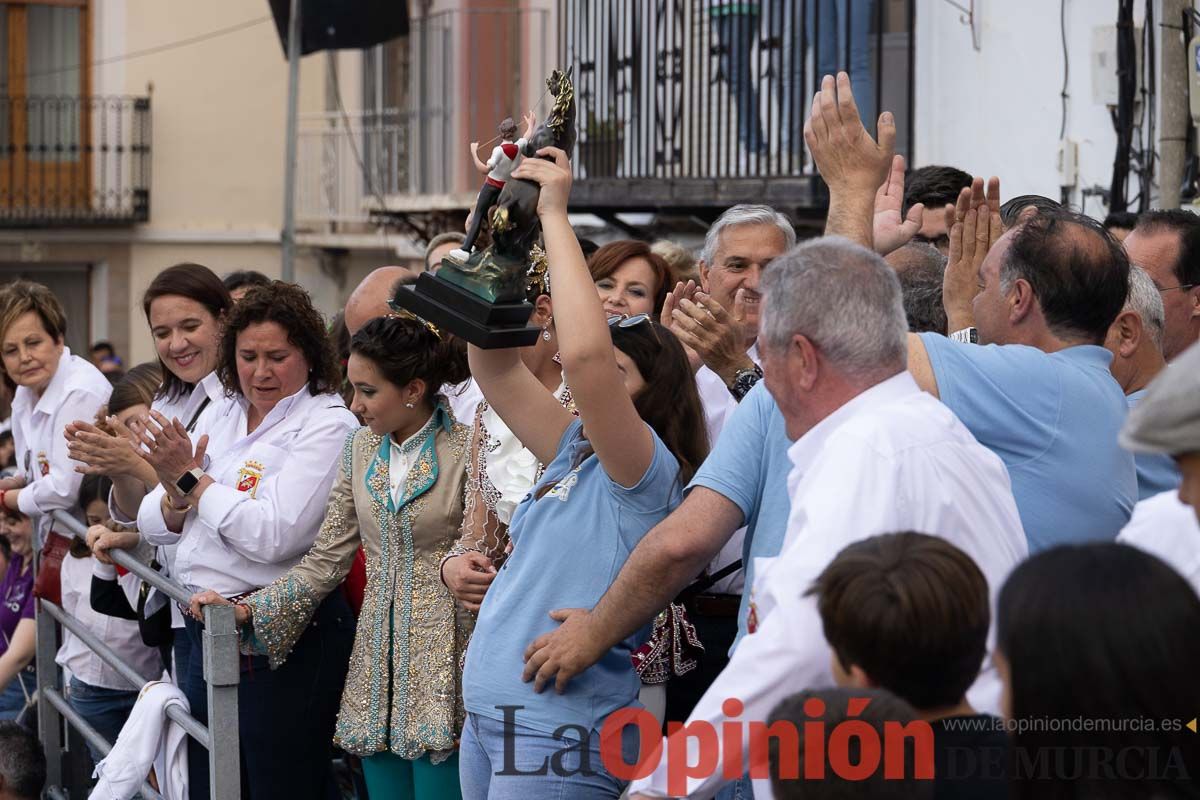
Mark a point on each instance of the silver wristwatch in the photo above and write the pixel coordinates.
(966, 336)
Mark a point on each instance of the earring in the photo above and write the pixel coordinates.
(546, 333)
(409, 405)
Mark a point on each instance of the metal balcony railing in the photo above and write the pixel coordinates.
(221, 675)
(701, 103)
(74, 161)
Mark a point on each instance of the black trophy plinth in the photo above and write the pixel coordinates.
(486, 325)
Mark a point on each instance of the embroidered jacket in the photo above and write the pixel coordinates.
(403, 690)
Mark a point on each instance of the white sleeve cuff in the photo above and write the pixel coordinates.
(26, 502)
(217, 503)
(105, 572)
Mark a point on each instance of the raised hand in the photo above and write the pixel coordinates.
(552, 171)
(168, 448)
(974, 225)
(893, 229)
(852, 163)
(706, 328)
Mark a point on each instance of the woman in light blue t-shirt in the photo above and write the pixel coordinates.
(611, 475)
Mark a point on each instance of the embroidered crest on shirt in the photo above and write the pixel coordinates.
(562, 489)
(249, 476)
(752, 618)
(43, 464)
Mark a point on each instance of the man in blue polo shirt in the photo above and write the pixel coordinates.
(1024, 368)
(1036, 389)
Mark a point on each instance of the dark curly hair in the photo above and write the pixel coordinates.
(289, 307)
(404, 349)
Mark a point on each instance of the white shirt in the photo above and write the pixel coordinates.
(76, 392)
(893, 459)
(463, 398)
(186, 408)
(182, 408)
(399, 462)
(1164, 526)
(268, 501)
(119, 634)
(148, 739)
(718, 404)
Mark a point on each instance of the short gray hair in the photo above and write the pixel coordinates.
(845, 299)
(1145, 299)
(746, 214)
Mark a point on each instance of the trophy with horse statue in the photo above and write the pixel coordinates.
(478, 294)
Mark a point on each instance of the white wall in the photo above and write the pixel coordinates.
(997, 111)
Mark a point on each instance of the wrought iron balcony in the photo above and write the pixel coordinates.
(74, 161)
(694, 105)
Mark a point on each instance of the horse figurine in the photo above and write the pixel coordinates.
(499, 273)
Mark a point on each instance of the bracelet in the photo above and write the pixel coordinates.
(169, 504)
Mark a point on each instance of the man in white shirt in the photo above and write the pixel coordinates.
(1168, 421)
(872, 454)
(719, 323)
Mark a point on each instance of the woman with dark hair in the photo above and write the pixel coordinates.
(398, 494)
(630, 277)
(246, 515)
(603, 489)
(184, 306)
(1107, 633)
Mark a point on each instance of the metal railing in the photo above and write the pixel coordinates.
(220, 648)
(71, 161)
(345, 162)
(700, 102)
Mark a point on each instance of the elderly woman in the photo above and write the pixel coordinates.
(243, 497)
(53, 387)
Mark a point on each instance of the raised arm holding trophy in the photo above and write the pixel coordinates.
(479, 294)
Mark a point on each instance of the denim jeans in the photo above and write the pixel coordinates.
(741, 789)
(12, 699)
(104, 709)
(533, 761)
(842, 36)
(736, 33)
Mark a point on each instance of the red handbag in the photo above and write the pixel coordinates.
(48, 583)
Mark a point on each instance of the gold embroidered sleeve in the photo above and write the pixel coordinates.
(281, 611)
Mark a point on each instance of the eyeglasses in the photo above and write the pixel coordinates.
(1180, 286)
(626, 321)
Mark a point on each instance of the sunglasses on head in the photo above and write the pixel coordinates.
(626, 321)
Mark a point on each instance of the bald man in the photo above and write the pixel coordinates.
(370, 298)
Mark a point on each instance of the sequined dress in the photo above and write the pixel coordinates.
(404, 687)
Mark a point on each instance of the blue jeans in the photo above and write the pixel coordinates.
(12, 699)
(104, 709)
(839, 48)
(741, 789)
(533, 764)
(736, 34)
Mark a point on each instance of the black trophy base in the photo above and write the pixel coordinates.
(489, 326)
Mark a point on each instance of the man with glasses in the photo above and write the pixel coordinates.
(1167, 245)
